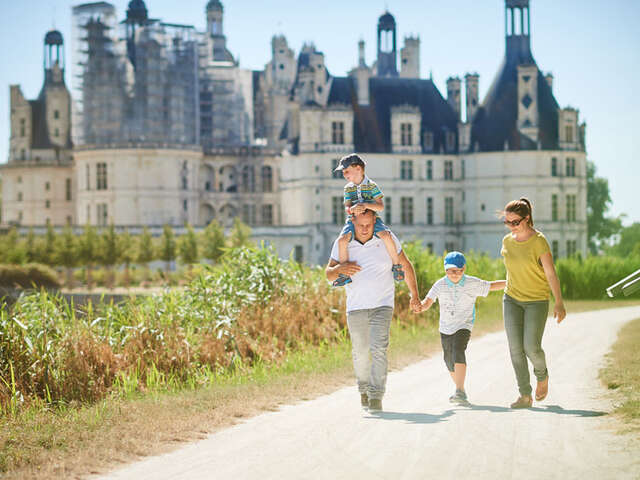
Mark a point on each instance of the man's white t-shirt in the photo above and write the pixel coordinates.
(373, 286)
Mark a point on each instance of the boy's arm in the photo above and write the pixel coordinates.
(378, 206)
(426, 304)
(497, 285)
(347, 206)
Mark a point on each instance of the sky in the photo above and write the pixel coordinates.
(592, 47)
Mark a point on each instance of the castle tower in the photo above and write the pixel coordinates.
(214, 12)
(410, 58)
(472, 83)
(137, 15)
(387, 52)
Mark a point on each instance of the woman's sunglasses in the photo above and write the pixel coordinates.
(513, 223)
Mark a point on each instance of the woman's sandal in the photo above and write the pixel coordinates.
(524, 401)
(542, 389)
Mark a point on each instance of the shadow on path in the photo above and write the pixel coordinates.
(557, 409)
(414, 418)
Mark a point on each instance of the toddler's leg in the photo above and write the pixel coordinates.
(343, 256)
(398, 273)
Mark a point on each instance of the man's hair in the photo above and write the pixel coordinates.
(366, 212)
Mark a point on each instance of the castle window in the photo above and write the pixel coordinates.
(406, 169)
(337, 211)
(337, 133)
(554, 208)
(88, 172)
(298, 253)
(429, 210)
(451, 141)
(281, 66)
(571, 248)
(430, 247)
(387, 210)
(554, 167)
(429, 169)
(69, 220)
(570, 167)
(334, 173)
(248, 182)
(56, 133)
(23, 127)
(102, 214)
(20, 179)
(571, 208)
(185, 205)
(19, 216)
(448, 169)
(101, 177)
(47, 204)
(19, 196)
(67, 185)
(267, 179)
(448, 211)
(23, 154)
(427, 139)
(554, 249)
(56, 114)
(405, 134)
(406, 212)
(267, 214)
(463, 172)
(568, 133)
(47, 186)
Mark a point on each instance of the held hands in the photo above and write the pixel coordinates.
(358, 209)
(349, 268)
(415, 305)
(559, 312)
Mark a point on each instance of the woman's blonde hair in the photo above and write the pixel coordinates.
(520, 207)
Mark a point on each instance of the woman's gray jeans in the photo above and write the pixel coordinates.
(524, 323)
(369, 331)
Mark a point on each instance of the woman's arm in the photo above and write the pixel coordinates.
(559, 311)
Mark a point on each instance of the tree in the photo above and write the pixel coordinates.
(31, 247)
(213, 241)
(89, 251)
(145, 252)
(167, 246)
(240, 234)
(600, 227)
(67, 252)
(109, 252)
(629, 242)
(127, 254)
(11, 249)
(188, 247)
(48, 252)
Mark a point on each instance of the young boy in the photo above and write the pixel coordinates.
(360, 193)
(457, 293)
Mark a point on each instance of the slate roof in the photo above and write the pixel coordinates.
(495, 121)
(372, 123)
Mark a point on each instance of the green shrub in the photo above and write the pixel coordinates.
(30, 275)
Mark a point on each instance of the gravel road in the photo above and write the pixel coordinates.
(420, 435)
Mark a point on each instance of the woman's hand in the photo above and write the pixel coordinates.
(559, 312)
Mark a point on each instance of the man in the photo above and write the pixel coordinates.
(370, 302)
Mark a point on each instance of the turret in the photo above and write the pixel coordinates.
(453, 94)
(387, 52)
(517, 31)
(472, 82)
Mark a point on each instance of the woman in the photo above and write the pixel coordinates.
(530, 276)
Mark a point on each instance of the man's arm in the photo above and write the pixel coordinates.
(410, 280)
(334, 269)
(497, 285)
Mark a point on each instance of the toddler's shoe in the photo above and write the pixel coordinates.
(342, 280)
(398, 273)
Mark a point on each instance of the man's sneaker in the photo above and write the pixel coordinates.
(460, 397)
(364, 400)
(398, 273)
(342, 280)
(375, 405)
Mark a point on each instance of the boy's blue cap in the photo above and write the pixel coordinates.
(454, 260)
(348, 160)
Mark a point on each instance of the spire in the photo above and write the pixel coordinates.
(517, 31)
(54, 55)
(387, 46)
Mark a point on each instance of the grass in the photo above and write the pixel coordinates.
(622, 375)
(72, 440)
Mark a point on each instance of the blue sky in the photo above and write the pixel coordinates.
(592, 47)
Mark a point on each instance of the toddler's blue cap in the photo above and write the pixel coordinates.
(454, 260)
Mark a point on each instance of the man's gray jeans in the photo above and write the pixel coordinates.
(369, 331)
(524, 323)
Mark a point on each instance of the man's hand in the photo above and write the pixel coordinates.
(415, 305)
(348, 268)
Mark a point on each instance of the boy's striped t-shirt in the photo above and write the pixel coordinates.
(366, 192)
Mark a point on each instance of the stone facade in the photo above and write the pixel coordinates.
(262, 145)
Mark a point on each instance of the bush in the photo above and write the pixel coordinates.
(30, 275)
(589, 278)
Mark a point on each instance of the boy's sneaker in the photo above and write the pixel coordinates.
(375, 405)
(398, 273)
(342, 280)
(364, 400)
(460, 398)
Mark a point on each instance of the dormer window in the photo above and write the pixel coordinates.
(428, 141)
(451, 141)
(337, 133)
(406, 134)
(568, 132)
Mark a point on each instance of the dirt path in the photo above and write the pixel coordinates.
(420, 435)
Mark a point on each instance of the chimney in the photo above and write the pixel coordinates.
(472, 81)
(549, 78)
(453, 94)
(361, 61)
(410, 58)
